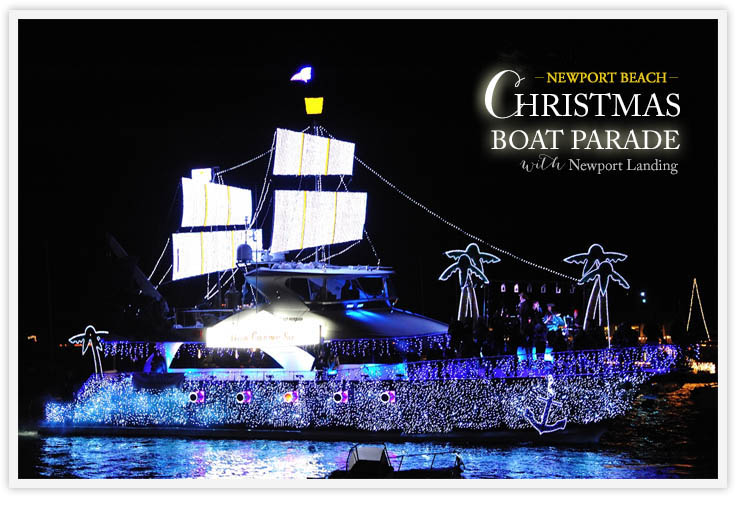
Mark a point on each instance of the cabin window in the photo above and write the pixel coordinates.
(307, 289)
(371, 287)
(363, 288)
(338, 289)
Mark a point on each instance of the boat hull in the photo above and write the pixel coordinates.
(574, 435)
(354, 410)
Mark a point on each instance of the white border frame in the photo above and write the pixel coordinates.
(15, 16)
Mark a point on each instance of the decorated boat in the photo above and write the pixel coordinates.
(307, 348)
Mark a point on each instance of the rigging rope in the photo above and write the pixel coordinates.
(216, 289)
(164, 276)
(378, 260)
(260, 206)
(459, 229)
(245, 162)
(264, 186)
(328, 257)
(159, 258)
(696, 291)
(453, 225)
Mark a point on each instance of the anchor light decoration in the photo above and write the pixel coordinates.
(543, 425)
(468, 264)
(598, 269)
(91, 338)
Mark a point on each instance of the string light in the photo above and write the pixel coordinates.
(328, 258)
(458, 228)
(468, 263)
(304, 219)
(90, 338)
(266, 181)
(695, 291)
(417, 407)
(211, 204)
(256, 158)
(163, 251)
(198, 253)
(649, 359)
(598, 268)
(164, 276)
(365, 232)
(543, 425)
(300, 154)
(216, 289)
(594, 257)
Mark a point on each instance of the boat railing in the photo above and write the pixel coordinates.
(655, 359)
(651, 359)
(250, 374)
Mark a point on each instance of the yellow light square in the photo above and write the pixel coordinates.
(314, 105)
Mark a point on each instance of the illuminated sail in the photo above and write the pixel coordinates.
(200, 253)
(313, 218)
(209, 204)
(303, 154)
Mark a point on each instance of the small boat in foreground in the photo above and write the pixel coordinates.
(374, 462)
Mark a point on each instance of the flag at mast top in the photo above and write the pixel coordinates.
(304, 75)
(313, 105)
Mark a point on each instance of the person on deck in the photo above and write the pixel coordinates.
(247, 295)
(540, 331)
(525, 324)
(345, 292)
(555, 326)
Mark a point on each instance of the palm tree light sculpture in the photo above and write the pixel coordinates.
(598, 269)
(468, 263)
(91, 338)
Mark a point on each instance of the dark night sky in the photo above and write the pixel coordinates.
(114, 113)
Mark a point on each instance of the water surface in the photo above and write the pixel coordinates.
(670, 433)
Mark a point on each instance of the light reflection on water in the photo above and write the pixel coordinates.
(661, 438)
(105, 457)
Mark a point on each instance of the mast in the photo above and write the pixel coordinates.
(314, 220)
(313, 107)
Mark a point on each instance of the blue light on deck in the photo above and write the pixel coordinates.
(375, 371)
(521, 353)
(364, 315)
(548, 354)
